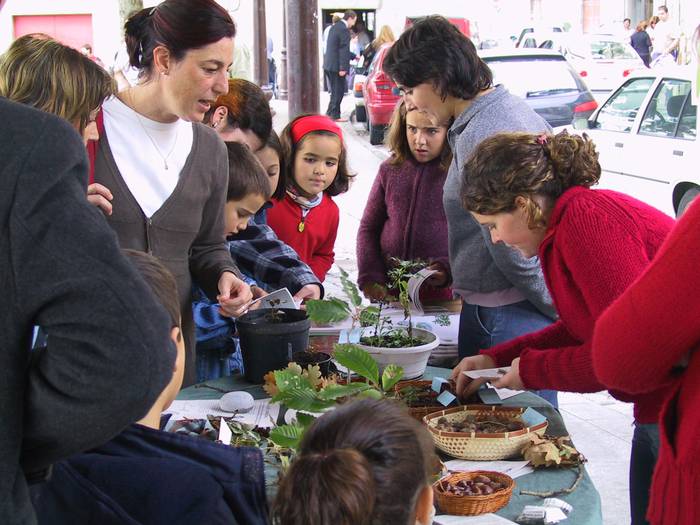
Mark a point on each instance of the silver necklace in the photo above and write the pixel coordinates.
(155, 145)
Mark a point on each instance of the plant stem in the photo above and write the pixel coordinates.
(552, 493)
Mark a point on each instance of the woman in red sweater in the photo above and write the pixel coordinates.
(306, 218)
(649, 339)
(533, 193)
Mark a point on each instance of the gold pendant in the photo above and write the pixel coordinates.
(301, 227)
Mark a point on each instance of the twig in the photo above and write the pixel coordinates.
(552, 493)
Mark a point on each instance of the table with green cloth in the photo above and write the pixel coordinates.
(585, 499)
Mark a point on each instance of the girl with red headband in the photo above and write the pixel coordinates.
(306, 218)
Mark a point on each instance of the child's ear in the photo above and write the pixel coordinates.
(521, 202)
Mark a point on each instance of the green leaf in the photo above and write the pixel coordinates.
(357, 360)
(305, 419)
(288, 436)
(371, 394)
(350, 289)
(392, 374)
(286, 379)
(303, 399)
(369, 316)
(326, 311)
(337, 391)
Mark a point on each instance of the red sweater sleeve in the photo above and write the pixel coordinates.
(370, 263)
(656, 322)
(323, 255)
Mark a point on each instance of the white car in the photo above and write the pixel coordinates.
(603, 61)
(646, 135)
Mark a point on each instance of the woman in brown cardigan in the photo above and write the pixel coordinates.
(166, 173)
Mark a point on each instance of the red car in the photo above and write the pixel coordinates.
(380, 97)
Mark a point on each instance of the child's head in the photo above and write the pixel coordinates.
(248, 187)
(366, 462)
(164, 289)
(315, 156)
(271, 156)
(241, 115)
(416, 134)
(512, 181)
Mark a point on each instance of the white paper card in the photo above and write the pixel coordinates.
(487, 373)
(264, 414)
(513, 469)
(505, 393)
(414, 284)
(225, 433)
(484, 519)
(278, 299)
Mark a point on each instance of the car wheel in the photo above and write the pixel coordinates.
(687, 198)
(367, 120)
(376, 134)
(360, 114)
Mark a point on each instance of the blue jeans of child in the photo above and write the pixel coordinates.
(645, 452)
(482, 327)
(219, 357)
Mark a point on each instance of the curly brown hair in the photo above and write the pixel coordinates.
(343, 177)
(510, 165)
(397, 140)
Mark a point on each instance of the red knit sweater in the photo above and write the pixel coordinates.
(597, 243)
(637, 344)
(315, 244)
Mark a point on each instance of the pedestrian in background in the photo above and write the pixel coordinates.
(336, 61)
(641, 42)
(386, 36)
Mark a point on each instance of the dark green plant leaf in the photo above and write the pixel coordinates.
(392, 374)
(326, 311)
(287, 436)
(350, 289)
(303, 399)
(287, 379)
(338, 391)
(369, 316)
(305, 419)
(357, 360)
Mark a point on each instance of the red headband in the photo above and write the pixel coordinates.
(310, 123)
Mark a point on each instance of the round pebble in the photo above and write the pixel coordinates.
(236, 402)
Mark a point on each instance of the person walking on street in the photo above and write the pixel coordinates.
(336, 61)
(641, 42)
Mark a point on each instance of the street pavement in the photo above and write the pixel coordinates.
(600, 426)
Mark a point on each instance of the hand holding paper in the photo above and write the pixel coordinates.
(511, 379)
(466, 386)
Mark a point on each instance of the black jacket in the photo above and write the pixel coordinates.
(337, 57)
(109, 352)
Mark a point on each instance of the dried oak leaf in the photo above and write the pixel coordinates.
(313, 374)
(542, 455)
(270, 386)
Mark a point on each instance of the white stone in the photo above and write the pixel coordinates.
(240, 402)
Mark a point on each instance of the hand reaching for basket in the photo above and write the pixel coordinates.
(511, 379)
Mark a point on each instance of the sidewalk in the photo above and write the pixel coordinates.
(600, 426)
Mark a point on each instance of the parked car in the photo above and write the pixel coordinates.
(525, 40)
(646, 135)
(358, 96)
(602, 60)
(379, 96)
(545, 80)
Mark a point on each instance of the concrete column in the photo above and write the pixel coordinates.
(303, 67)
(282, 74)
(262, 75)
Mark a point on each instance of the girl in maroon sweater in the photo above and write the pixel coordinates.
(532, 193)
(306, 218)
(648, 338)
(404, 216)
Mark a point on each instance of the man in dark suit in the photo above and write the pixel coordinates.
(336, 61)
(109, 351)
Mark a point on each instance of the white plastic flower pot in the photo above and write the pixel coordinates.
(412, 359)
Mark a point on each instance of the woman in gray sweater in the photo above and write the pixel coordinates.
(439, 72)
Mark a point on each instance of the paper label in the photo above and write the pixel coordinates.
(446, 398)
(225, 433)
(437, 383)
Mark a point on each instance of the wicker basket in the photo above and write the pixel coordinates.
(473, 505)
(419, 411)
(480, 447)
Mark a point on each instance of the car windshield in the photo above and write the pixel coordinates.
(533, 77)
(610, 50)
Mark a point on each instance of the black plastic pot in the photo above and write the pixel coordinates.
(269, 337)
(323, 360)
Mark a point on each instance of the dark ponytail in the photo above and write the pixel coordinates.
(510, 165)
(363, 463)
(179, 25)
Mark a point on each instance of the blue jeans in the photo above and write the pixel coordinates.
(645, 452)
(482, 327)
(220, 357)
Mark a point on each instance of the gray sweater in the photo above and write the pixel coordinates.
(477, 264)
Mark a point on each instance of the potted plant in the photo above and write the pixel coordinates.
(269, 338)
(311, 357)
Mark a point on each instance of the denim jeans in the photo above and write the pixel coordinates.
(482, 327)
(645, 452)
(216, 358)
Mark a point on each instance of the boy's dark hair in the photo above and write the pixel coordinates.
(349, 14)
(246, 175)
(340, 184)
(247, 107)
(273, 141)
(365, 462)
(159, 279)
(434, 51)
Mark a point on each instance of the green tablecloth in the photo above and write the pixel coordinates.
(585, 499)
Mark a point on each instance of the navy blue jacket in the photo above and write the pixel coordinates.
(151, 477)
